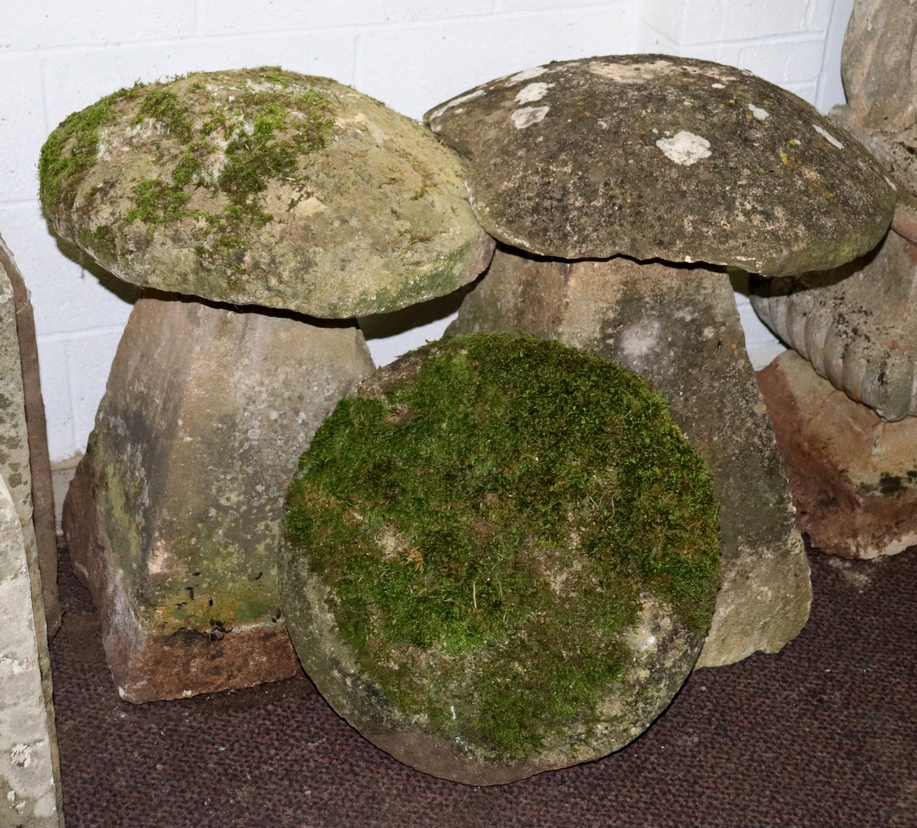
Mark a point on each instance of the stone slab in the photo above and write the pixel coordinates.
(679, 328)
(173, 515)
(30, 792)
(852, 474)
(39, 460)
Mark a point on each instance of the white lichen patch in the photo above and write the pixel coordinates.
(527, 74)
(16, 667)
(759, 113)
(456, 102)
(828, 136)
(891, 183)
(533, 92)
(685, 148)
(717, 86)
(21, 755)
(528, 115)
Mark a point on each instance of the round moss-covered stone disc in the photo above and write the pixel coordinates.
(654, 156)
(264, 187)
(501, 557)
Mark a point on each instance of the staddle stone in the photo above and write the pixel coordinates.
(857, 325)
(173, 517)
(679, 328)
(853, 475)
(501, 558)
(265, 187)
(657, 156)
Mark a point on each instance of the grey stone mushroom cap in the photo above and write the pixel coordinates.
(653, 156)
(263, 187)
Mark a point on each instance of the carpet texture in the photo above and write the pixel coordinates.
(824, 734)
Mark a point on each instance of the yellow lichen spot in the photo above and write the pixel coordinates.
(732, 100)
(748, 115)
(784, 157)
(761, 170)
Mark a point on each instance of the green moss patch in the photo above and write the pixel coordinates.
(207, 147)
(486, 516)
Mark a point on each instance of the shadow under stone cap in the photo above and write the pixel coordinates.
(264, 187)
(654, 156)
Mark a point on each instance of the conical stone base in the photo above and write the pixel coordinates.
(173, 516)
(679, 328)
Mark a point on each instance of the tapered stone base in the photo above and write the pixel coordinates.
(679, 328)
(174, 513)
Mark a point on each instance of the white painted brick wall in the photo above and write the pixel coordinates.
(57, 56)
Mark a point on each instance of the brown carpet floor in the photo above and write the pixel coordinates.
(823, 734)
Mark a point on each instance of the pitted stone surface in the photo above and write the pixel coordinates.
(879, 63)
(853, 475)
(895, 148)
(29, 777)
(172, 519)
(263, 187)
(678, 328)
(857, 325)
(654, 156)
(40, 492)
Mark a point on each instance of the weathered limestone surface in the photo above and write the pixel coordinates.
(655, 156)
(894, 148)
(510, 577)
(29, 776)
(172, 518)
(854, 325)
(878, 63)
(857, 325)
(853, 475)
(679, 328)
(264, 187)
(30, 794)
(39, 460)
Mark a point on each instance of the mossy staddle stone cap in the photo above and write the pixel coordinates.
(501, 557)
(653, 156)
(264, 187)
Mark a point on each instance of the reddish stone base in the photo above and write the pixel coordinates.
(147, 666)
(853, 476)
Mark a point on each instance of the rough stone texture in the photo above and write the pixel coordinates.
(857, 325)
(679, 328)
(879, 63)
(30, 794)
(896, 149)
(264, 187)
(654, 156)
(29, 776)
(522, 508)
(39, 460)
(852, 474)
(172, 518)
